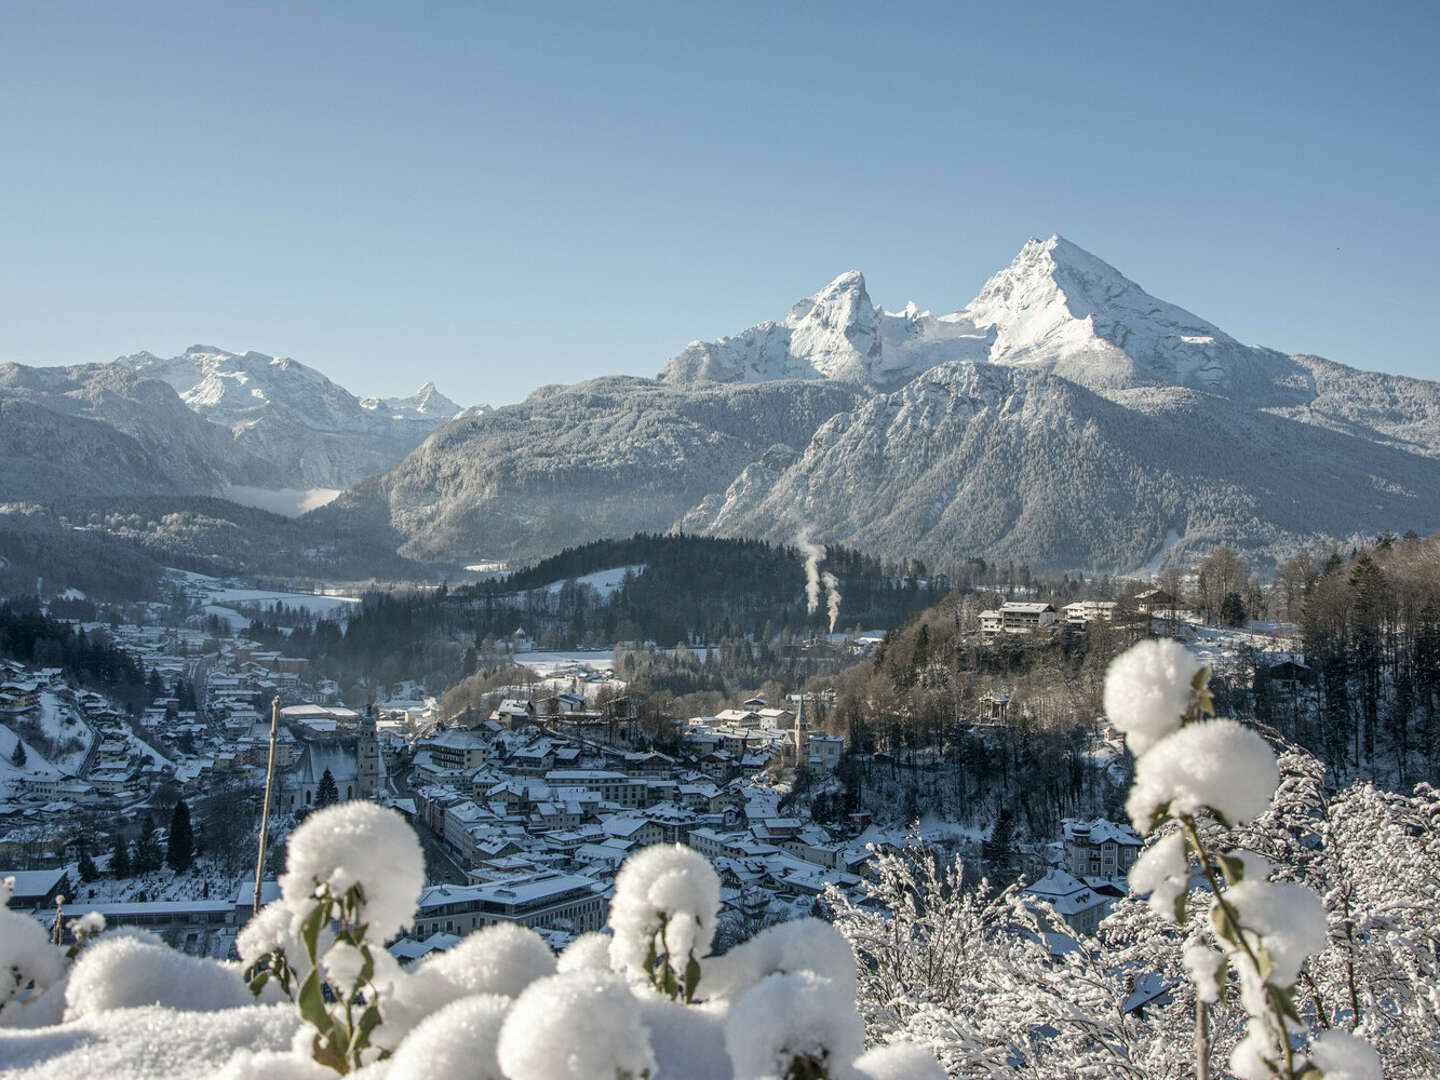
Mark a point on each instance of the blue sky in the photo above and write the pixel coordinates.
(498, 196)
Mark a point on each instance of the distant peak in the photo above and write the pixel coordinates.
(846, 282)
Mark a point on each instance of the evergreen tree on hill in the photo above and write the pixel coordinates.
(120, 858)
(180, 850)
(18, 757)
(88, 870)
(148, 855)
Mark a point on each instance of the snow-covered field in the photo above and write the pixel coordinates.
(287, 502)
(605, 582)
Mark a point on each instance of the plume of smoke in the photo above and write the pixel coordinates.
(815, 581)
(832, 597)
(813, 554)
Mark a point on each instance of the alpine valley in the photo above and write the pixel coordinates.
(1063, 418)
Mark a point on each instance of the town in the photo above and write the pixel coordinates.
(525, 808)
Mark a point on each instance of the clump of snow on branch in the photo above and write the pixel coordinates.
(578, 1026)
(798, 945)
(1162, 871)
(459, 1040)
(899, 1061)
(666, 902)
(1341, 1056)
(794, 1017)
(1147, 689)
(357, 843)
(27, 959)
(502, 959)
(1217, 765)
(590, 950)
(125, 973)
(1187, 767)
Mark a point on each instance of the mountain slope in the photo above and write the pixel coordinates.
(608, 457)
(1016, 463)
(100, 428)
(313, 432)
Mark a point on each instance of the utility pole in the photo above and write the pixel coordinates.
(265, 813)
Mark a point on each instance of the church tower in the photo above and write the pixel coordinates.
(367, 758)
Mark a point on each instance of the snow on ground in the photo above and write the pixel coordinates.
(546, 664)
(1218, 647)
(328, 607)
(605, 582)
(64, 728)
(35, 765)
(287, 502)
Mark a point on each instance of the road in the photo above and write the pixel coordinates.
(440, 867)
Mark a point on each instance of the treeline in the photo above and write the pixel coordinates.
(1370, 629)
(35, 639)
(691, 590)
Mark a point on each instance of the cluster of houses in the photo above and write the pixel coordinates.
(538, 804)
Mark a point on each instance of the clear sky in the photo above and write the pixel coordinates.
(497, 196)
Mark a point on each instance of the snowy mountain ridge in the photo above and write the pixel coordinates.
(1055, 306)
(1064, 417)
(317, 433)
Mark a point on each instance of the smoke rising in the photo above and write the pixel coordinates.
(815, 580)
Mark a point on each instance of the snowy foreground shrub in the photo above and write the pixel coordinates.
(317, 994)
(1188, 768)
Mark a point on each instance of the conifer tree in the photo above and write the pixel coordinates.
(17, 758)
(88, 870)
(180, 850)
(148, 855)
(328, 793)
(120, 858)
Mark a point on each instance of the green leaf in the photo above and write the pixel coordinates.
(310, 928)
(1232, 867)
(311, 1003)
(258, 981)
(1264, 963)
(360, 1038)
(1224, 927)
(692, 979)
(367, 968)
(1180, 909)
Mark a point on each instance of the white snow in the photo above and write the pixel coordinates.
(1163, 871)
(666, 901)
(459, 1040)
(604, 582)
(357, 843)
(1147, 691)
(1290, 921)
(123, 973)
(1217, 764)
(1341, 1056)
(785, 1016)
(502, 959)
(577, 1026)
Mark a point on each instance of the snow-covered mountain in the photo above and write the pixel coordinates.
(836, 334)
(313, 431)
(1064, 417)
(103, 429)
